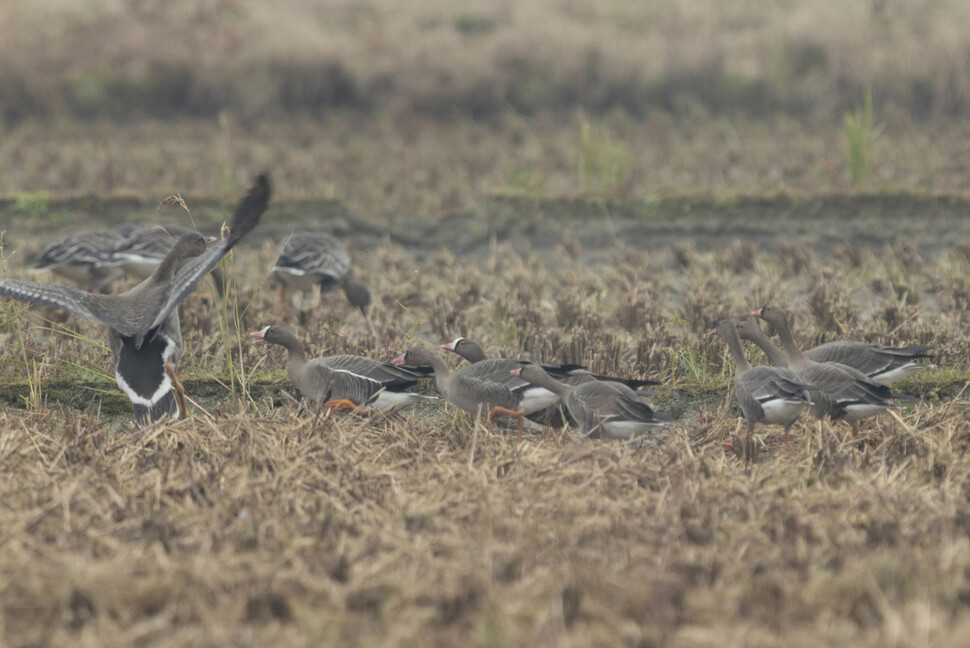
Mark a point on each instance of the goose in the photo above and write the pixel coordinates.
(882, 364)
(344, 381)
(143, 328)
(571, 374)
(772, 395)
(84, 257)
(841, 392)
(750, 330)
(534, 399)
(310, 259)
(472, 390)
(141, 252)
(602, 408)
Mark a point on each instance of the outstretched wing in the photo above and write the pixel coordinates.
(247, 215)
(94, 308)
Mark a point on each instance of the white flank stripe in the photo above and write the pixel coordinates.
(853, 412)
(627, 429)
(537, 398)
(292, 271)
(781, 411)
(391, 400)
(356, 375)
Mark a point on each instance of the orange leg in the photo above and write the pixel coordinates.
(281, 289)
(516, 414)
(179, 391)
(343, 404)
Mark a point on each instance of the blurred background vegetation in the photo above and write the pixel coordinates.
(426, 106)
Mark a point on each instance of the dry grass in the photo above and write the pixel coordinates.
(428, 107)
(108, 58)
(390, 168)
(302, 530)
(263, 521)
(249, 526)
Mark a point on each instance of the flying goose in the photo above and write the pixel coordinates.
(472, 390)
(772, 395)
(602, 408)
(310, 259)
(344, 381)
(841, 392)
(882, 364)
(143, 325)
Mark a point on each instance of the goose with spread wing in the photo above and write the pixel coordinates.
(144, 334)
(142, 252)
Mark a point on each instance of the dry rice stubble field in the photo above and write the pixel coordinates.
(263, 520)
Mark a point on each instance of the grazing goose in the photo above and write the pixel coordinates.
(471, 389)
(84, 257)
(344, 381)
(750, 330)
(882, 364)
(571, 374)
(602, 408)
(315, 259)
(141, 252)
(772, 395)
(534, 399)
(841, 392)
(143, 325)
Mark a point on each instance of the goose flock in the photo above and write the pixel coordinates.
(843, 380)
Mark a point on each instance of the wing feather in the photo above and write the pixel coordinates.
(247, 216)
(94, 308)
(384, 373)
(315, 253)
(497, 370)
(474, 391)
(870, 359)
(357, 389)
(597, 402)
(840, 386)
